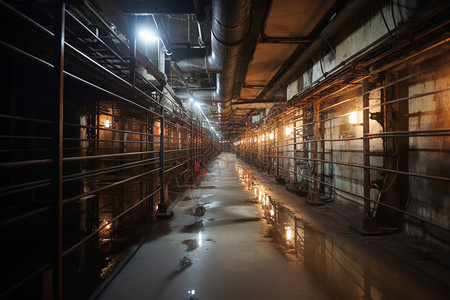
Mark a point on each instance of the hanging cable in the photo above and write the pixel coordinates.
(393, 14)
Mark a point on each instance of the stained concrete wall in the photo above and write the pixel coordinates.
(361, 31)
(350, 150)
(427, 155)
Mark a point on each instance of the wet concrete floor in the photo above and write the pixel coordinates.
(240, 235)
(217, 246)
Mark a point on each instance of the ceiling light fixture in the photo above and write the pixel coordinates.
(147, 35)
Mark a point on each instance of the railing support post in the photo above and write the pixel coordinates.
(58, 149)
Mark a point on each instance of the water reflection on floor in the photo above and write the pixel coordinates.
(217, 247)
(224, 242)
(345, 271)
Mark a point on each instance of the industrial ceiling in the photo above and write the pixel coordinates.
(230, 54)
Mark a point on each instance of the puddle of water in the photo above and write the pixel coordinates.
(193, 244)
(251, 201)
(190, 244)
(207, 187)
(198, 211)
(342, 268)
(244, 220)
(184, 263)
(193, 228)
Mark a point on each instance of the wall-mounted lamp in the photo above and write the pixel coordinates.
(107, 124)
(288, 131)
(377, 116)
(271, 136)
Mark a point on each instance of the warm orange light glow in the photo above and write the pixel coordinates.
(107, 124)
(288, 131)
(288, 232)
(271, 136)
(353, 117)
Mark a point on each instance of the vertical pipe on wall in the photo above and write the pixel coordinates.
(278, 135)
(314, 192)
(161, 159)
(368, 224)
(58, 148)
(294, 129)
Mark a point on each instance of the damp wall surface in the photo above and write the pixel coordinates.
(429, 154)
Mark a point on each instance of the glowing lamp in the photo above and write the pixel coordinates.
(288, 232)
(147, 35)
(353, 117)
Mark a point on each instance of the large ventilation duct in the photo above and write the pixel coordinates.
(230, 22)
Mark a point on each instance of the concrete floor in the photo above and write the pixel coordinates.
(217, 246)
(220, 245)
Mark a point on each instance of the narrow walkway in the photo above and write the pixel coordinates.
(217, 246)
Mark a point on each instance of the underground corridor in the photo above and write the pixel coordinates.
(225, 149)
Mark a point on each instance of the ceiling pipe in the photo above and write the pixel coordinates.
(230, 23)
(162, 32)
(200, 15)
